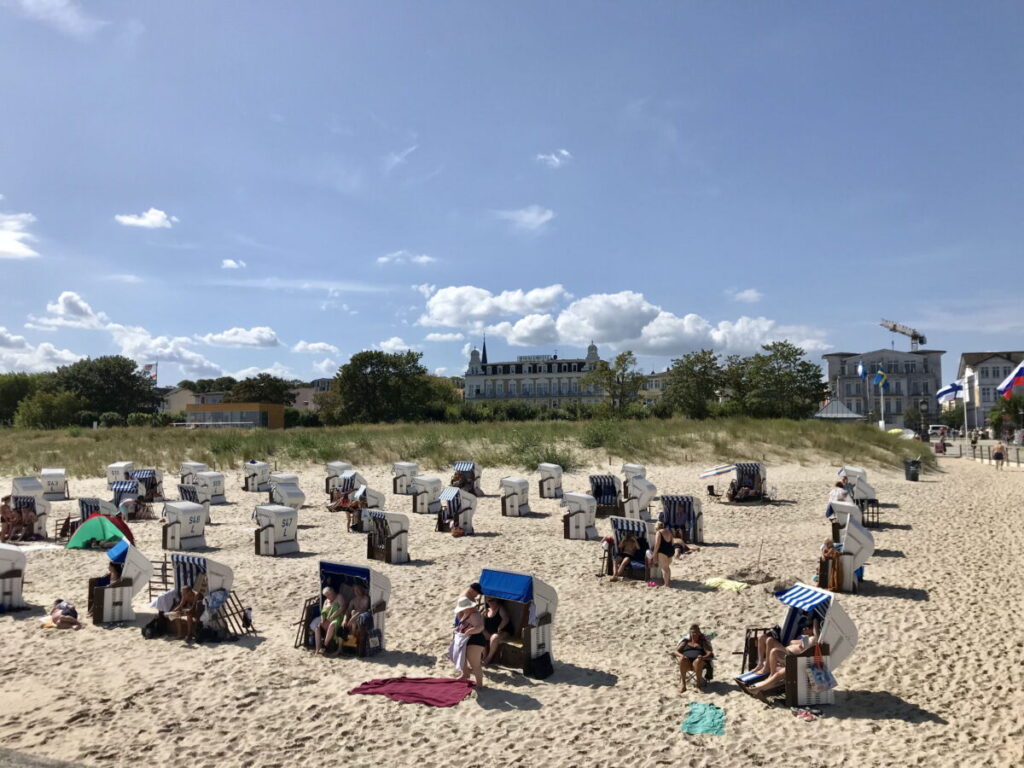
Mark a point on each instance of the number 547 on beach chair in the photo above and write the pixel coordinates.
(277, 530)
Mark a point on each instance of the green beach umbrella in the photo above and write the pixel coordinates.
(96, 530)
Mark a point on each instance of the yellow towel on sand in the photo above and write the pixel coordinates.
(719, 582)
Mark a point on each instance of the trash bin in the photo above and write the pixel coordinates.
(912, 469)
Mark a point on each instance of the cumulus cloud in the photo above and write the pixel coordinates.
(466, 305)
(746, 296)
(532, 218)
(555, 159)
(394, 344)
(127, 279)
(315, 348)
(65, 16)
(15, 237)
(426, 290)
(154, 218)
(530, 331)
(444, 337)
(403, 256)
(140, 345)
(277, 369)
(442, 371)
(259, 336)
(10, 341)
(69, 311)
(26, 358)
(326, 367)
(232, 264)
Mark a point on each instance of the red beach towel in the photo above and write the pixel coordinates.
(432, 691)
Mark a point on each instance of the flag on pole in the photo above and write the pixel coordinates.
(1015, 379)
(149, 371)
(881, 380)
(862, 371)
(954, 391)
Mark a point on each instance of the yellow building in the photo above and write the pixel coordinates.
(654, 387)
(239, 415)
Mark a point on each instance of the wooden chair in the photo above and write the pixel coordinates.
(517, 651)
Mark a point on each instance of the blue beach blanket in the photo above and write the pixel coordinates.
(704, 718)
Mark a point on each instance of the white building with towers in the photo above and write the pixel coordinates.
(544, 380)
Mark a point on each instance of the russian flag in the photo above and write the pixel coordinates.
(1015, 379)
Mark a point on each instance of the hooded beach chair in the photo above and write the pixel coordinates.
(515, 493)
(749, 483)
(855, 545)
(683, 513)
(862, 493)
(189, 469)
(114, 604)
(629, 471)
(87, 507)
(467, 477)
(426, 493)
(531, 606)
(456, 511)
(209, 487)
(641, 565)
(404, 472)
(550, 484)
(12, 578)
(277, 530)
(55, 483)
(184, 525)
(151, 484)
(36, 506)
(607, 490)
(837, 638)
(222, 609)
(637, 496)
(284, 490)
(191, 493)
(342, 577)
(580, 519)
(119, 470)
(388, 539)
(256, 477)
(335, 469)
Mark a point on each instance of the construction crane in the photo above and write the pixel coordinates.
(916, 337)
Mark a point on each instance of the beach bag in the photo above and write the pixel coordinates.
(155, 628)
(819, 676)
(456, 532)
(540, 667)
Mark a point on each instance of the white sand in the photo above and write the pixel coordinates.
(936, 678)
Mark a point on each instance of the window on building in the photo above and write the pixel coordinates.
(575, 386)
(1006, 371)
(511, 387)
(489, 388)
(986, 394)
(842, 369)
(984, 373)
(565, 387)
(499, 388)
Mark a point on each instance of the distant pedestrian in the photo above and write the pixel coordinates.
(999, 454)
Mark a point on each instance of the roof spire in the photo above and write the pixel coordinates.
(483, 356)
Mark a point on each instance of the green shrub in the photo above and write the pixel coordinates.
(597, 434)
(86, 418)
(140, 419)
(111, 419)
(47, 410)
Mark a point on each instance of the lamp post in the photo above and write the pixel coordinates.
(922, 406)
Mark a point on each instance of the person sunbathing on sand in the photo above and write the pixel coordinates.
(64, 615)
(772, 658)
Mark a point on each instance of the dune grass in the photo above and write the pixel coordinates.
(86, 453)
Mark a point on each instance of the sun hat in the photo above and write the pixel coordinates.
(463, 604)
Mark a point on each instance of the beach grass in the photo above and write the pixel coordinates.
(87, 452)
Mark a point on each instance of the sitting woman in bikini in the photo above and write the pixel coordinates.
(358, 615)
(10, 521)
(772, 658)
(694, 652)
(497, 627)
(187, 612)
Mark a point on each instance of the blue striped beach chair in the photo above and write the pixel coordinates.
(124, 489)
(467, 477)
(150, 481)
(456, 511)
(639, 566)
(607, 490)
(223, 611)
(369, 636)
(683, 513)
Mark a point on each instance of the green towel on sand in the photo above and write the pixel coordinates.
(704, 718)
(720, 583)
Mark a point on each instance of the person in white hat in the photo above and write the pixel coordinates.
(471, 626)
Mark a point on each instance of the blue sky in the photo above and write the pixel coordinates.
(244, 186)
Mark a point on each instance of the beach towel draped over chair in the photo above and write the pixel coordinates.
(456, 511)
(531, 605)
(404, 472)
(55, 483)
(388, 538)
(641, 562)
(12, 577)
(119, 470)
(369, 638)
(426, 493)
(515, 500)
(335, 469)
(580, 519)
(683, 513)
(184, 525)
(114, 604)
(276, 530)
(550, 484)
(607, 490)
(467, 477)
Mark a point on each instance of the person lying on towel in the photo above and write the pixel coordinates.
(771, 656)
(64, 615)
(682, 544)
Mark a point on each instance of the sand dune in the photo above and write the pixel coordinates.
(935, 680)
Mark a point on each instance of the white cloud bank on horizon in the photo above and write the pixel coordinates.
(154, 218)
(15, 237)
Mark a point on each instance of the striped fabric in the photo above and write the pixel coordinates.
(123, 488)
(20, 502)
(186, 569)
(88, 507)
(144, 474)
(677, 512)
(451, 500)
(188, 493)
(748, 474)
(802, 597)
(346, 482)
(721, 469)
(622, 526)
(377, 514)
(602, 488)
(465, 466)
(360, 492)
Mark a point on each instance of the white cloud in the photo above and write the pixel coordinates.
(530, 331)
(33, 359)
(444, 337)
(15, 237)
(395, 159)
(467, 348)
(606, 317)
(69, 311)
(555, 159)
(533, 218)
(154, 218)
(9, 341)
(466, 305)
(746, 296)
(232, 264)
(394, 344)
(316, 285)
(259, 336)
(315, 348)
(65, 16)
(426, 289)
(277, 369)
(140, 345)
(326, 367)
(124, 278)
(403, 256)
(442, 371)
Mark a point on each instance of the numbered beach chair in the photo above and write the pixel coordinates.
(188, 471)
(550, 484)
(388, 539)
(184, 525)
(55, 483)
(210, 487)
(335, 469)
(369, 637)
(515, 500)
(641, 565)
(862, 493)
(855, 544)
(404, 472)
(256, 476)
(114, 604)
(12, 577)
(284, 490)
(276, 530)
(580, 519)
(151, 484)
(190, 493)
(222, 609)
(426, 494)
(683, 513)
(119, 470)
(637, 496)
(607, 490)
(837, 639)
(456, 511)
(467, 477)
(28, 494)
(531, 605)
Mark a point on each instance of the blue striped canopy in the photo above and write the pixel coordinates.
(451, 499)
(748, 473)
(188, 493)
(144, 474)
(88, 507)
(378, 514)
(465, 466)
(625, 524)
(20, 502)
(122, 488)
(449, 493)
(187, 569)
(802, 597)
(346, 481)
(677, 512)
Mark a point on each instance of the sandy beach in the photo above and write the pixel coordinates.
(936, 678)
